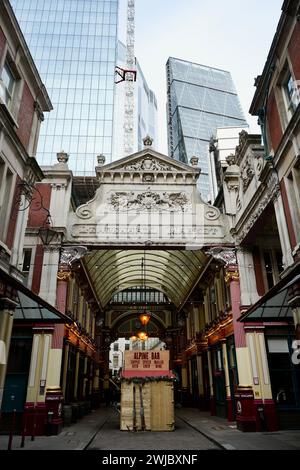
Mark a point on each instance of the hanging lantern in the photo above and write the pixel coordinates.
(143, 336)
(168, 339)
(144, 318)
(133, 339)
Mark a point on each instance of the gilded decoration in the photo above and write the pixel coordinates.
(232, 276)
(64, 275)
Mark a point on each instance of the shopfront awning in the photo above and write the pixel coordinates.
(274, 306)
(29, 306)
(30, 309)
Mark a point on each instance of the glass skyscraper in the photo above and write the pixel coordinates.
(200, 99)
(74, 44)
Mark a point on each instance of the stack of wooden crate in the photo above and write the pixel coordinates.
(147, 394)
(147, 406)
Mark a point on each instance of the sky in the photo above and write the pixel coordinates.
(233, 35)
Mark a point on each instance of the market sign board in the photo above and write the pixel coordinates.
(155, 360)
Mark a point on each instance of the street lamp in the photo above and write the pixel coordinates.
(47, 235)
(46, 232)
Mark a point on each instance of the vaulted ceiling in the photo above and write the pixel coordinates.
(175, 273)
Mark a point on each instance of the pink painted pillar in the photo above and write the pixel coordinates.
(244, 395)
(63, 277)
(54, 395)
(233, 278)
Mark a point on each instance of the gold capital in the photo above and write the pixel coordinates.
(63, 275)
(231, 276)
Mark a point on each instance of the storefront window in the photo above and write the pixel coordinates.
(284, 374)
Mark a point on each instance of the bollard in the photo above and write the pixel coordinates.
(24, 431)
(49, 423)
(33, 427)
(12, 429)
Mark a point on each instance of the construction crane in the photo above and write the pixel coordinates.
(129, 76)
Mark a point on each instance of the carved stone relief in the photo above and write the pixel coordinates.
(149, 200)
(258, 157)
(148, 164)
(247, 172)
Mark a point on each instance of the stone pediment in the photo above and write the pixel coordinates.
(147, 164)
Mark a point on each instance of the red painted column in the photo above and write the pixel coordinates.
(63, 277)
(233, 278)
(54, 395)
(244, 396)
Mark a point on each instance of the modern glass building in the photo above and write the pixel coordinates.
(74, 44)
(145, 110)
(200, 99)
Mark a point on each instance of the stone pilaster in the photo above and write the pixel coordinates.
(6, 324)
(288, 259)
(229, 398)
(265, 409)
(35, 413)
(49, 274)
(18, 244)
(249, 294)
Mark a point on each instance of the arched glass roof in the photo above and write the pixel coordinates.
(174, 273)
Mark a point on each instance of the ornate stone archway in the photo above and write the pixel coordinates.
(144, 202)
(147, 199)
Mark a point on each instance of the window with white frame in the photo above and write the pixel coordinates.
(292, 183)
(7, 83)
(7, 179)
(272, 266)
(291, 93)
(27, 254)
